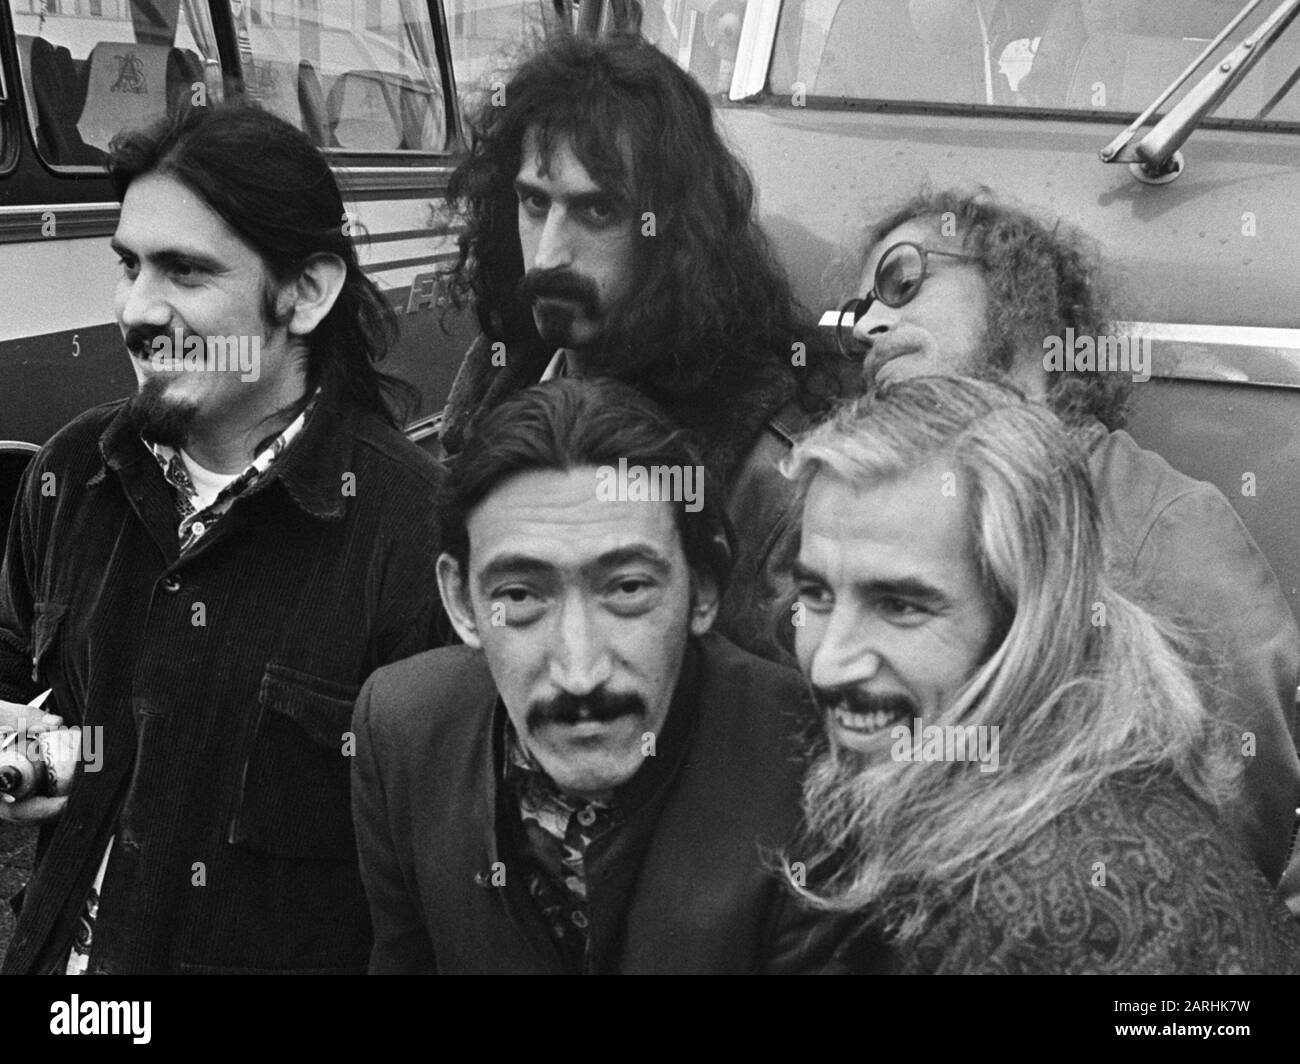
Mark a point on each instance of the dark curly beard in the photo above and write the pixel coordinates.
(159, 419)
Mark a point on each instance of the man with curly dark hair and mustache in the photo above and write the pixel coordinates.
(611, 233)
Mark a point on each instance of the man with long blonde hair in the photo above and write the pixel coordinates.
(1021, 775)
(962, 284)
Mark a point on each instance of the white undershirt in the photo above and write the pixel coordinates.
(207, 484)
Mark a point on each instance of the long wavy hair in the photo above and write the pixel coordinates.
(713, 314)
(1042, 280)
(1085, 686)
(274, 188)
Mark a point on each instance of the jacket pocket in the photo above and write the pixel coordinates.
(293, 798)
(45, 632)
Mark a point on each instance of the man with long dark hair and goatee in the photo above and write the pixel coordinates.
(204, 574)
(611, 233)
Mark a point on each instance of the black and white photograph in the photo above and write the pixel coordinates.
(651, 487)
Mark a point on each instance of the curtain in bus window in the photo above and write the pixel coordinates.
(487, 37)
(700, 36)
(204, 37)
(424, 113)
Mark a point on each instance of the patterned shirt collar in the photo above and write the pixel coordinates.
(554, 830)
(196, 521)
(536, 797)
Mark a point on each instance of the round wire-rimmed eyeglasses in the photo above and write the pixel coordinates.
(900, 272)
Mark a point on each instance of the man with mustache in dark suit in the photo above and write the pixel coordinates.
(595, 782)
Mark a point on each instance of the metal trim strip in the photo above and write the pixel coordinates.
(21, 225)
(416, 180)
(418, 260)
(78, 221)
(1224, 354)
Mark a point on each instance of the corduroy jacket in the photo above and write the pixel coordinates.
(219, 687)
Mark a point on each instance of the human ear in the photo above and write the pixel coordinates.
(704, 601)
(454, 590)
(315, 292)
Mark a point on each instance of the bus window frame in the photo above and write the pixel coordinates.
(228, 38)
(874, 105)
(768, 97)
(12, 127)
(232, 76)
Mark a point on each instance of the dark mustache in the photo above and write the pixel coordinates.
(560, 283)
(139, 339)
(856, 701)
(600, 705)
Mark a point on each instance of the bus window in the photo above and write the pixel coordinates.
(701, 36)
(1093, 56)
(362, 75)
(91, 68)
(487, 37)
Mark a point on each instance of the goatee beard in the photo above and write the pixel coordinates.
(554, 323)
(159, 419)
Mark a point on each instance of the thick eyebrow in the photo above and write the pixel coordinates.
(526, 565)
(908, 587)
(172, 257)
(578, 201)
(614, 559)
(512, 565)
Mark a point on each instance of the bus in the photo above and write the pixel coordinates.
(1167, 130)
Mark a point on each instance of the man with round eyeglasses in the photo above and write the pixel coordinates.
(958, 284)
(899, 271)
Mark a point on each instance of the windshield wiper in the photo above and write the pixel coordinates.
(1154, 155)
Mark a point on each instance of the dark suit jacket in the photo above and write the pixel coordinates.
(701, 895)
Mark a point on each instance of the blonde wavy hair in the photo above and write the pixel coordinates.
(1084, 686)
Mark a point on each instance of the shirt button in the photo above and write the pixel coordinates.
(171, 584)
(586, 817)
(579, 918)
(198, 528)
